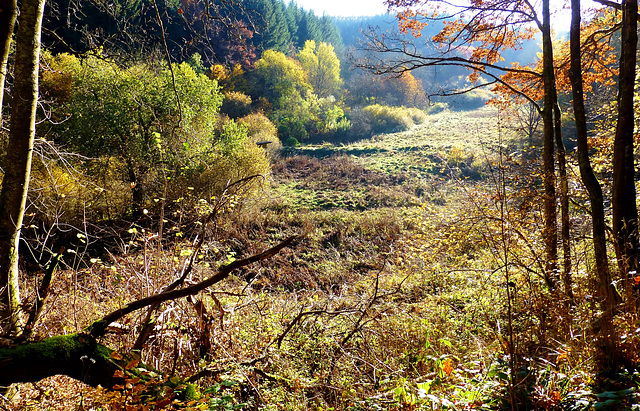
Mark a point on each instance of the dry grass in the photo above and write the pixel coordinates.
(395, 290)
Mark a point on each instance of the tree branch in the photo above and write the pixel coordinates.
(613, 5)
(99, 327)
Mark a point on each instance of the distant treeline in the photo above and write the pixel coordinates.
(228, 33)
(435, 80)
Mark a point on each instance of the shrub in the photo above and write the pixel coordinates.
(377, 118)
(291, 142)
(260, 128)
(236, 104)
(124, 120)
(292, 128)
(259, 124)
(436, 108)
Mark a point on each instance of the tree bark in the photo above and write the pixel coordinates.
(15, 183)
(625, 212)
(77, 356)
(8, 15)
(550, 232)
(607, 341)
(565, 231)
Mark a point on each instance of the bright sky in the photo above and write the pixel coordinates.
(344, 8)
(356, 8)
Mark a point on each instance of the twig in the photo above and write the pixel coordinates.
(99, 327)
(41, 297)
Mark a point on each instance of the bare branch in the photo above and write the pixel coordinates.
(99, 327)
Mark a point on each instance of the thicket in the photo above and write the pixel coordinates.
(126, 141)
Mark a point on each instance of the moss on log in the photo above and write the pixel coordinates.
(76, 355)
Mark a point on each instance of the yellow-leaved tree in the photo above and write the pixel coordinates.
(322, 65)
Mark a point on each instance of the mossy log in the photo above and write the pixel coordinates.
(80, 356)
(76, 355)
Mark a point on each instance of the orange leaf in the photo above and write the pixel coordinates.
(116, 356)
(447, 366)
(118, 374)
(132, 364)
(180, 11)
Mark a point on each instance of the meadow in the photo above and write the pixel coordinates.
(412, 284)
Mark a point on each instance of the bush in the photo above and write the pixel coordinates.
(436, 108)
(291, 142)
(260, 128)
(292, 128)
(259, 124)
(124, 121)
(236, 104)
(385, 119)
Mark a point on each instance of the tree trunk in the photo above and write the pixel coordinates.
(137, 190)
(564, 199)
(18, 160)
(550, 233)
(77, 356)
(8, 14)
(625, 212)
(607, 341)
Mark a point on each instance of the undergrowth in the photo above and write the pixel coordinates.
(412, 286)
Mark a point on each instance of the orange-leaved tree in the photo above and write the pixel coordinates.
(474, 35)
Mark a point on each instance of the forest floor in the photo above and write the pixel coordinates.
(412, 285)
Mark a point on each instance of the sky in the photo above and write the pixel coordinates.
(356, 8)
(344, 8)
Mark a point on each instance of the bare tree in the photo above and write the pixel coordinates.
(15, 183)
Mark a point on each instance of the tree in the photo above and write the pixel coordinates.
(78, 355)
(15, 182)
(608, 349)
(625, 212)
(322, 66)
(330, 33)
(475, 42)
(393, 90)
(130, 115)
(293, 16)
(279, 79)
(308, 28)
(8, 15)
(272, 30)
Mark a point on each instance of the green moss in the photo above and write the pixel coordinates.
(61, 347)
(191, 392)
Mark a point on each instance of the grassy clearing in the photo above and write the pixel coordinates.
(393, 298)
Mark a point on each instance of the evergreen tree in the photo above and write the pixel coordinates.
(309, 28)
(272, 32)
(330, 32)
(276, 33)
(294, 16)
